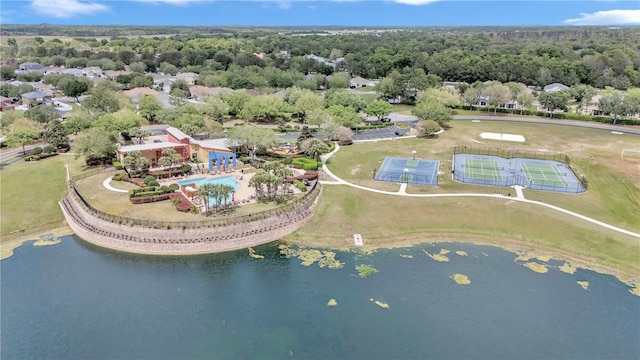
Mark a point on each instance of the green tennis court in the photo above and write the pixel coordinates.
(486, 169)
(543, 174)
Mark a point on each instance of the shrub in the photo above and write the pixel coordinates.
(116, 164)
(287, 161)
(32, 158)
(149, 179)
(43, 155)
(245, 159)
(118, 176)
(154, 183)
(305, 163)
(174, 187)
(36, 150)
(148, 199)
(186, 168)
(3, 144)
(300, 185)
(49, 149)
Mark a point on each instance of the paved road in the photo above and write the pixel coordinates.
(584, 124)
(14, 155)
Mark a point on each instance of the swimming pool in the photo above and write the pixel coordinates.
(227, 180)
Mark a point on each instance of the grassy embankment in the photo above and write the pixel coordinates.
(386, 220)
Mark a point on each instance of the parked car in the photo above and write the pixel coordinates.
(385, 119)
(345, 142)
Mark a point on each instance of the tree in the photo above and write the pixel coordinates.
(96, 143)
(149, 107)
(439, 95)
(471, 96)
(497, 94)
(20, 135)
(344, 116)
(583, 94)
(42, 114)
(427, 128)
(267, 107)
(191, 130)
(55, 134)
(215, 108)
(525, 99)
(141, 134)
(554, 100)
(344, 98)
(102, 101)
(253, 138)
(77, 123)
(236, 101)
(379, 108)
(612, 102)
(339, 81)
(135, 161)
(118, 122)
(206, 192)
(7, 72)
(429, 110)
(305, 133)
(313, 148)
(169, 158)
(75, 88)
(305, 103)
(632, 99)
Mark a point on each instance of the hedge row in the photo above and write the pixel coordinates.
(149, 199)
(302, 187)
(305, 163)
(150, 191)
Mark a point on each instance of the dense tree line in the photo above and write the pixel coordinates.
(598, 57)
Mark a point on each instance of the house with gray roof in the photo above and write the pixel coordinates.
(551, 88)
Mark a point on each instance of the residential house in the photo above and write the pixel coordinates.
(551, 88)
(189, 77)
(92, 72)
(113, 74)
(36, 98)
(7, 104)
(48, 70)
(358, 82)
(136, 93)
(199, 92)
(74, 72)
(163, 82)
(29, 66)
(45, 88)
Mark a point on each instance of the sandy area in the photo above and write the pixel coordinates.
(504, 137)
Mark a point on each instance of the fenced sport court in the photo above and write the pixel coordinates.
(534, 170)
(410, 171)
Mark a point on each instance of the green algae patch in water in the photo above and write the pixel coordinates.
(461, 253)
(584, 284)
(439, 256)
(365, 270)
(567, 268)
(332, 302)
(253, 254)
(380, 303)
(461, 279)
(534, 266)
(311, 256)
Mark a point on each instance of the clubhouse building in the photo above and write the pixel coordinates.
(216, 153)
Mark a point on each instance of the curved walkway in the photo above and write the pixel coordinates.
(520, 197)
(107, 184)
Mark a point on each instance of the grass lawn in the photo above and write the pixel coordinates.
(119, 204)
(30, 194)
(386, 220)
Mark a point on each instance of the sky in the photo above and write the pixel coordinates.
(323, 13)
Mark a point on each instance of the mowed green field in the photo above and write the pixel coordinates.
(387, 220)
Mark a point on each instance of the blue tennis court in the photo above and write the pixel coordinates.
(410, 171)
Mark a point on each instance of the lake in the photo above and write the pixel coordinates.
(74, 300)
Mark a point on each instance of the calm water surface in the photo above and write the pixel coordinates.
(77, 301)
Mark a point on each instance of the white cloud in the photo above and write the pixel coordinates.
(608, 17)
(66, 8)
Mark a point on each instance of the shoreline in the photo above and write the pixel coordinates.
(510, 245)
(516, 247)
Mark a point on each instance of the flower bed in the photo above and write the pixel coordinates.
(184, 205)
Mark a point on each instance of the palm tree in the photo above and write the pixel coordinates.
(225, 191)
(169, 157)
(206, 192)
(258, 180)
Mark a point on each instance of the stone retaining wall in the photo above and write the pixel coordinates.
(156, 241)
